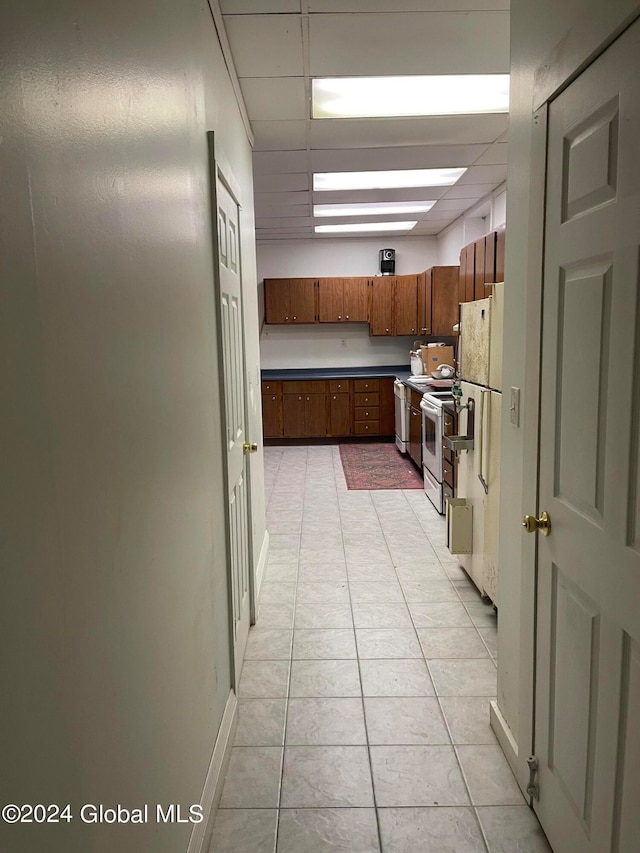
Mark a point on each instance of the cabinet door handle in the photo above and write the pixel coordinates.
(295, 318)
(339, 316)
(334, 397)
(299, 398)
(273, 398)
(307, 399)
(386, 331)
(286, 318)
(347, 317)
(366, 414)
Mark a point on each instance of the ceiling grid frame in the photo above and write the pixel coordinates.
(349, 141)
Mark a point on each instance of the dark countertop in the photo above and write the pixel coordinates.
(335, 372)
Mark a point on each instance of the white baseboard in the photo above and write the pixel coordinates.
(212, 791)
(507, 742)
(261, 568)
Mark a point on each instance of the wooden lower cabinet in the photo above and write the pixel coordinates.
(272, 415)
(340, 414)
(337, 408)
(304, 415)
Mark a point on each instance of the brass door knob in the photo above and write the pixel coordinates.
(250, 447)
(543, 524)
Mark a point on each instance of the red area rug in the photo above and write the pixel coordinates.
(377, 466)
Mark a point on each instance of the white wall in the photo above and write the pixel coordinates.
(115, 634)
(322, 345)
(359, 256)
(577, 27)
(485, 216)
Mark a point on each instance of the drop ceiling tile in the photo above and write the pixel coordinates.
(484, 175)
(436, 130)
(405, 194)
(279, 135)
(251, 7)
(347, 6)
(449, 204)
(266, 45)
(271, 98)
(285, 222)
(428, 43)
(294, 198)
(424, 157)
(281, 211)
(495, 155)
(470, 190)
(281, 183)
(279, 162)
(430, 226)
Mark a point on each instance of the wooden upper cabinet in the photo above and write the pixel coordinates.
(468, 284)
(424, 302)
(500, 245)
(406, 304)
(478, 278)
(302, 297)
(289, 300)
(356, 300)
(330, 300)
(490, 256)
(276, 300)
(444, 300)
(381, 308)
(343, 300)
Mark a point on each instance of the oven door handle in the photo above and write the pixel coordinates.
(428, 409)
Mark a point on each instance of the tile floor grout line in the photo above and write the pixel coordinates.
(364, 712)
(288, 696)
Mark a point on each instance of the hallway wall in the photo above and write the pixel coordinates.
(115, 635)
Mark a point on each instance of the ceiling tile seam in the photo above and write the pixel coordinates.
(306, 67)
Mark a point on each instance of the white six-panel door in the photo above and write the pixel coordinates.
(231, 332)
(587, 709)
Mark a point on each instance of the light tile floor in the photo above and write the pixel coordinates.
(364, 697)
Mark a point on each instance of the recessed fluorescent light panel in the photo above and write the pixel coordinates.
(429, 95)
(364, 226)
(399, 178)
(372, 208)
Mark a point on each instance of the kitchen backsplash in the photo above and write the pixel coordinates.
(329, 346)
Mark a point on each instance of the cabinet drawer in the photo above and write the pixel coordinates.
(367, 413)
(448, 492)
(271, 387)
(416, 397)
(448, 424)
(448, 453)
(364, 427)
(367, 399)
(304, 387)
(366, 385)
(339, 386)
(449, 473)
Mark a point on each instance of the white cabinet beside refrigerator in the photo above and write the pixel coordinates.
(479, 469)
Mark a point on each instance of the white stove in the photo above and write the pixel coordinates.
(432, 432)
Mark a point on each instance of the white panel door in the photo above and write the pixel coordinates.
(587, 703)
(232, 340)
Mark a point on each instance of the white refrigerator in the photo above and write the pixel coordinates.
(479, 468)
